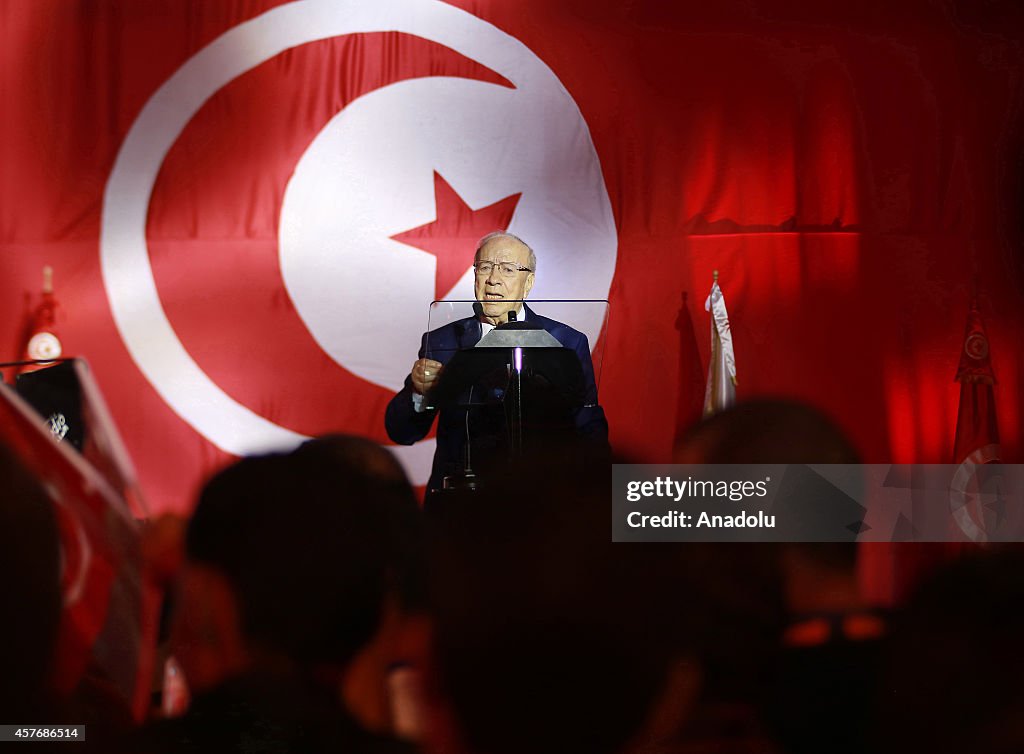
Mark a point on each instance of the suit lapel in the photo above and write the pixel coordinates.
(548, 324)
(467, 333)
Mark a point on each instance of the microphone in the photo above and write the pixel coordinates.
(478, 309)
(511, 316)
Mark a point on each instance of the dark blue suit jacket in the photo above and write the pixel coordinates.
(405, 426)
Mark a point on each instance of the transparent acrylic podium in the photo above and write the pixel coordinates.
(520, 382)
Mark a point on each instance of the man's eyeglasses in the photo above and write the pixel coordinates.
(506, 269)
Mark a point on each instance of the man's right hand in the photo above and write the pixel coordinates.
(424, 374)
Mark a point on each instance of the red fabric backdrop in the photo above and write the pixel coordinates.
(847, 170)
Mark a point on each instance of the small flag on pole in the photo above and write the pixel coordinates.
(720, 392)
(975, 444)
(41, 341)
(977, 435)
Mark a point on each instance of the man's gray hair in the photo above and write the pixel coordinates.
(532, 263)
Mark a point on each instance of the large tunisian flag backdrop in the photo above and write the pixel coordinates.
(249, 205)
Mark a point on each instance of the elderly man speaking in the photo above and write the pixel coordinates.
(505, 268)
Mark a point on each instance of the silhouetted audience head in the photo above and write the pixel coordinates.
(776, 431)
(29, 590)
(291, 557)
(766, 431)
(294, 563)
(355, 463)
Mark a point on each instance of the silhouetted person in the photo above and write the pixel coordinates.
(820, 696)
(369, 687)
(505, 269)
(293, 563)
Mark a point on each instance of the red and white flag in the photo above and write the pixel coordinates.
(251, 205)
(976, 442)
(977, 431)
(108, 623)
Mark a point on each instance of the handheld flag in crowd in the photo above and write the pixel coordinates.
(69, 400)
(109, 617)
(720, 392)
